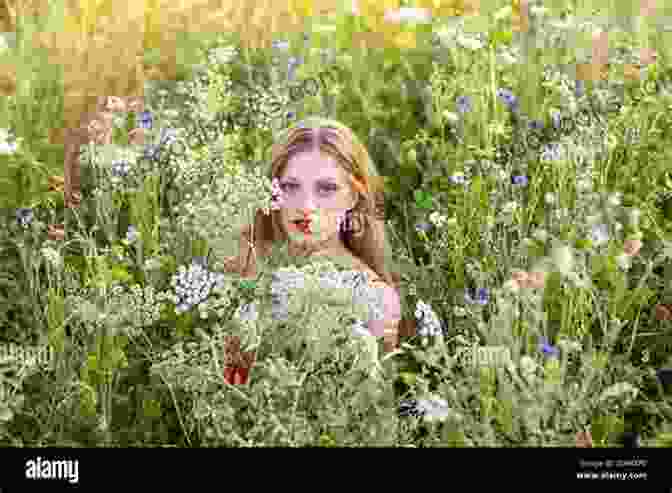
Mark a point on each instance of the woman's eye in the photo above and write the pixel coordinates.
(329, 188)
(285, 186)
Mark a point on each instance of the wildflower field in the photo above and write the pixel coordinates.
(527, 179)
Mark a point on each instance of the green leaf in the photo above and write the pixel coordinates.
(6, 413)
(501, 37)
(120, 274)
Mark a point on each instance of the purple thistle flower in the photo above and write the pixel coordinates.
(520, 180)
(463, 104)
(508, 98)
(547, 349)
(24, 216)
(482, 297)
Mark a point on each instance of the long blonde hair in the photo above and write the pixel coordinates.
(368, 241)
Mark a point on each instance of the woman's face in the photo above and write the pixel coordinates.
(316, 193)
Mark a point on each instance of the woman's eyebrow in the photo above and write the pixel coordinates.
(323, 180)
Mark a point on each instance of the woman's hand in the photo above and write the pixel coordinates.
(136, 136)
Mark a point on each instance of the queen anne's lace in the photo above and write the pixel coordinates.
(346, 286)
(427, 321)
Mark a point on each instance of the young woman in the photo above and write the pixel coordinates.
(329, 187)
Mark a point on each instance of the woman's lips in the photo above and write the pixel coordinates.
(302, 225)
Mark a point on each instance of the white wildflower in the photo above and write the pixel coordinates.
(433, 408)
(624, 261)
(428, 322)
(540, 235)
(459, 311)
(405, 14)
(510, 207)
(550, 198)
(437, 219)
(450, 116)
(600, 234)
(470, 43)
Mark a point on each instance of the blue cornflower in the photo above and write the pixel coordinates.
(281, 45)
(509, 99)
(24, 216)
(555, 118)
(291, 67)
(547, 349)
(423, 227)
(579, 88)
(519, 180)
(146, 120)
(464, 104)
(482, 296)
(457, 179)
(132, 234)
(536, 125)
(291, 115)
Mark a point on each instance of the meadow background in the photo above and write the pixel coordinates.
(527, 180)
